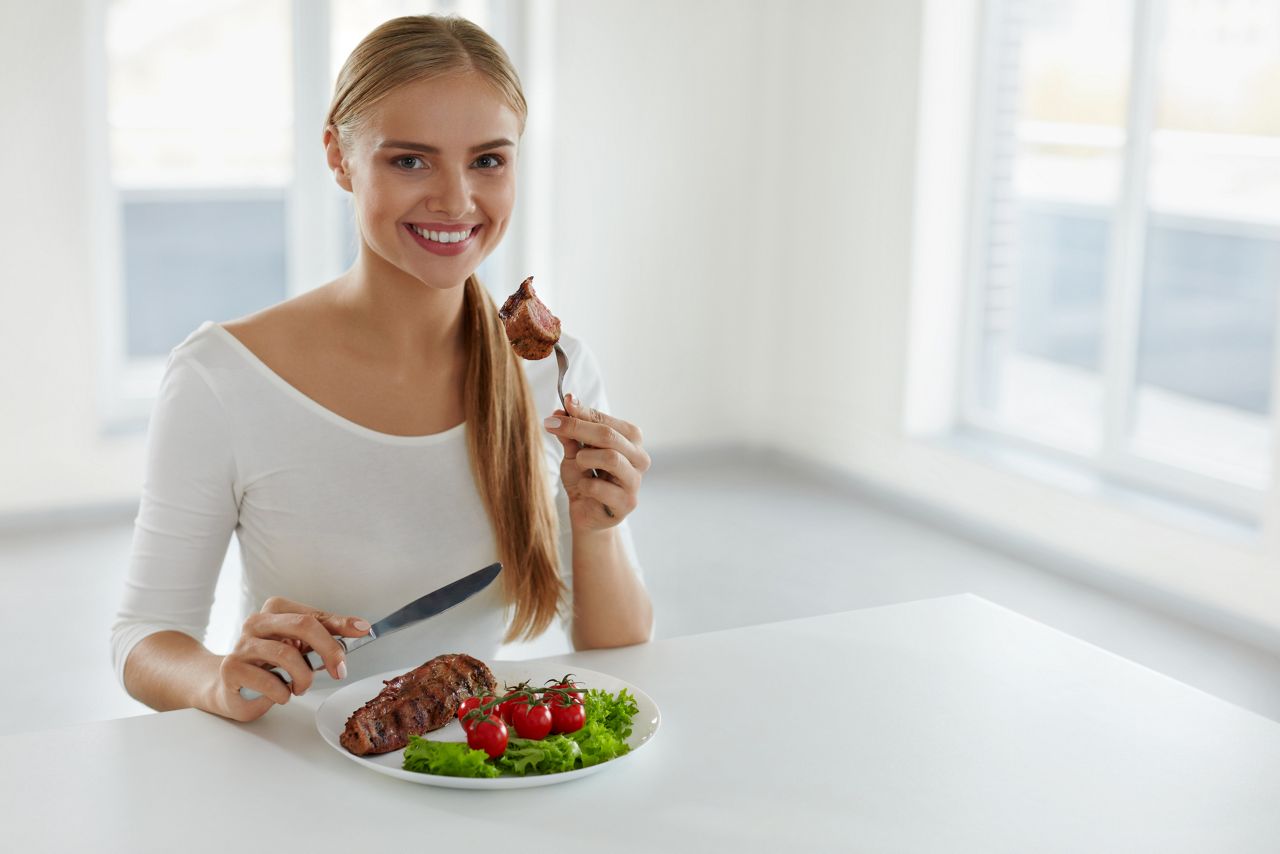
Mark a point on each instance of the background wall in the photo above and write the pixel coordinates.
(51, 451)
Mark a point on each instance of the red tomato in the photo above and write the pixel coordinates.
(507, 707)
(532, 721)
(467, 705)
(567, 684)
(489, 735)
(569, 717)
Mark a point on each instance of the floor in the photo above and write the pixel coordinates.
(726, 540)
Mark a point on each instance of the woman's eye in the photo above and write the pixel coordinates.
(488, 161)
(407, 161)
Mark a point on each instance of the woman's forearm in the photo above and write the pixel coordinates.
(170, 670)
(610, 605)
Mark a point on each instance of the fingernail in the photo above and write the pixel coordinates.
(342, 670)
(360, 626)
(551, 423)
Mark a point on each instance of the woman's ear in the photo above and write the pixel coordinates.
(333, 154)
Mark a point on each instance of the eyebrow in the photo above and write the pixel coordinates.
(431, 149)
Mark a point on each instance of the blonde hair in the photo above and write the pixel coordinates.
(503, 434)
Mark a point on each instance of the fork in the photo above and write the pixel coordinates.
(562, 362)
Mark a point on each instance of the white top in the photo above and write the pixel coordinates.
(327, 512)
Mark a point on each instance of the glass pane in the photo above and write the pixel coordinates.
(1203, 396)
(191, 261)
(1057, 140)
(200, 93)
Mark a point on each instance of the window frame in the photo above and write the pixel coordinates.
(1116, 461)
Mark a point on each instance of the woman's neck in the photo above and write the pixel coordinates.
(397, 317)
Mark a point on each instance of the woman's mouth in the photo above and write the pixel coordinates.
(445, 240)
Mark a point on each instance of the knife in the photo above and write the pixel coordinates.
(422, 608)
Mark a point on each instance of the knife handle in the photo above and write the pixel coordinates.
(313, 658)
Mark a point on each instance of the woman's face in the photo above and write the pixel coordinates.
(433, 176)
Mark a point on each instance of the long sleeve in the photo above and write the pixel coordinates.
(188, 511)
(584, 382)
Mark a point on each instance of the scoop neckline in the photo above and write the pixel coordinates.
(328, 414)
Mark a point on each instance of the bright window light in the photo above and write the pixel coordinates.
(1127, 239)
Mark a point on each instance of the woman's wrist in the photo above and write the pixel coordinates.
(594, 538)
(208, 691)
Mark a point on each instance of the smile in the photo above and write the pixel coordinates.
(443, 242)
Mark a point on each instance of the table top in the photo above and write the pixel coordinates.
(946, 724)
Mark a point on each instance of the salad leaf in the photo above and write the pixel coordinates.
(550, 755)
(613, 713)
(447, 758)
(596, 744)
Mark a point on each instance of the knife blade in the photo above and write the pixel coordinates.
(423, 608)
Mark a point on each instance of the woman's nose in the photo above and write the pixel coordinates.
(451, 195)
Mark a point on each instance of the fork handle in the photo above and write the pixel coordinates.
(595, 473)
(563, 363)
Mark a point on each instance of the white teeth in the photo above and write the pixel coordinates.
(443, 236)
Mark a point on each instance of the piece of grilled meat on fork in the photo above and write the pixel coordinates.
(424, 699)
(531, 327)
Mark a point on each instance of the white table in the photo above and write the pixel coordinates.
(946, 725)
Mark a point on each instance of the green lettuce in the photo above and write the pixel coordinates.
(549, 755)
(596, 744)
(613, 713)
(446, 758)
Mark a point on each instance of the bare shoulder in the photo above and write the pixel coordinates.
(281, 330)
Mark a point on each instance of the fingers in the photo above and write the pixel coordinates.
(586, 413)
(348, 627)
(238, 672)
(284, 620)
(334, 624)
(304, 628)
(599, 430)
(606, 493)
(280, 636)
(611, 462)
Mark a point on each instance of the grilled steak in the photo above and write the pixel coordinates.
(531, 327)
(424, 699)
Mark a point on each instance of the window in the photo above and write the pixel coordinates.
(215, 197)
(1126, 246)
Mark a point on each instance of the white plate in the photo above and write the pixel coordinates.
(331, 719)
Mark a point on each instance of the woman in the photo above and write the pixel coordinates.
(376, 438)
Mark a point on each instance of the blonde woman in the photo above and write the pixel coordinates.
(376, 438)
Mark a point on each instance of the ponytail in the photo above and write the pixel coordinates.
(505, 444)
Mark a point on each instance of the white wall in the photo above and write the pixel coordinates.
(735, 180)
(51, 450)
(662, 122)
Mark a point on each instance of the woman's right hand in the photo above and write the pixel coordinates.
(279, 636)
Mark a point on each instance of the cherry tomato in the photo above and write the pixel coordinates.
(467, 705)
(507, 707)
(489, 735)
(568, 717)
(532, 721)
(567, 684)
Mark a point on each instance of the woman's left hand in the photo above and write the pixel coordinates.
(610, 446)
